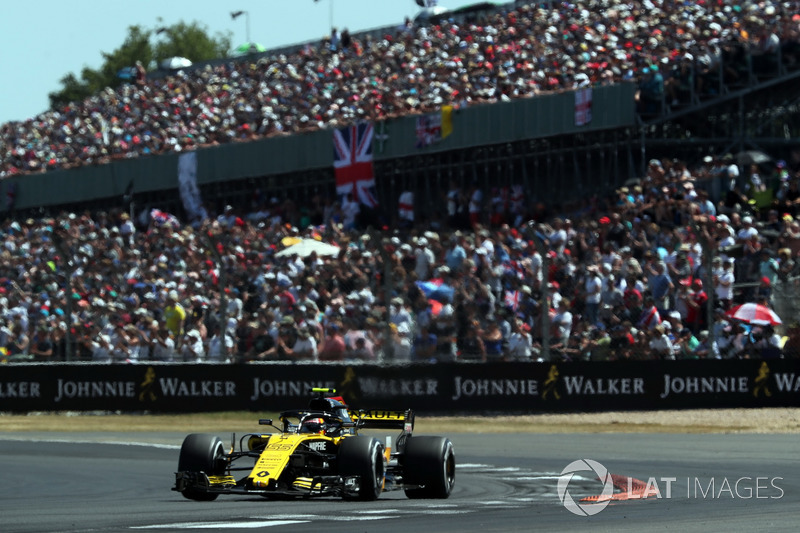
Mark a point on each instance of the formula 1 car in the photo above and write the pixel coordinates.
(319, 452)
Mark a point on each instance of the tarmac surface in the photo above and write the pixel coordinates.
(82, 482)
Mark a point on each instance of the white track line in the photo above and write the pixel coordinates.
(223, 525)
(112, 442)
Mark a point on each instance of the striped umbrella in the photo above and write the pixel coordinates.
(752, 313)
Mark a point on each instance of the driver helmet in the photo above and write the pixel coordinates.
(313, 425)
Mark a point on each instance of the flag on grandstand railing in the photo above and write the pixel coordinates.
(352, 163)
(380, 138)
(127, 196)
(583, 106)
(11, 195)
(187, 185)
(406, 206)
(103, 128)
(516, 197)
(162, 218)
(434, 127)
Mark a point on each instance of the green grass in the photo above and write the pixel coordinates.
(702, 421)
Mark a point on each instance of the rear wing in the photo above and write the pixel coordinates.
(383, 419)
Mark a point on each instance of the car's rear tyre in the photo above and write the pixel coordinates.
(363, 457)
(202, 453)
(429, 462)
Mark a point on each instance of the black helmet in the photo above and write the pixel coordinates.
(312, 425)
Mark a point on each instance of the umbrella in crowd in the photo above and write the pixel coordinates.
(752, 157)
(436, 289)
(428, 287)
(752, 313)
(249, 48)
(126, 73)
(174, 63)
(309, 246)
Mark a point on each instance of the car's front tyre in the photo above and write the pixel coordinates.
(363, 457)
(202, 453)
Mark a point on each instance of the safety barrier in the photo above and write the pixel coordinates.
(432, 388)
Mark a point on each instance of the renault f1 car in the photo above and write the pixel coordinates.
(319, 452)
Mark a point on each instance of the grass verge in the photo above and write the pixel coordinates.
(774, 420)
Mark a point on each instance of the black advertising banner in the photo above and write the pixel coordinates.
(435, 388)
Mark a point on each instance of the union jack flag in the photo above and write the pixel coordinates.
(512, 299)
(352, 162)
(514, 268)
(583, 106)
(162, 218)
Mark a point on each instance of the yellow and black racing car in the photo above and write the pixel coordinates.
(319, 452)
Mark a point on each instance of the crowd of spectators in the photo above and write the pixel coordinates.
(530, 49)
(626, 277)
(623, 278)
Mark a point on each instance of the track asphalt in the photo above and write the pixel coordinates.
(78, 482)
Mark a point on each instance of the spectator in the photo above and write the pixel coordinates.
(305, 347)
(101, 348)
(60, 342)
(42, 345)
(361, 351)
(264, 346)
(660, 343)
(333, 347)
(471, 346)
(424, 259)
(562, 323)
(723, 284)
(19, 343)
(786, 265)
(598, 344)
(162, 346)
(520, 343)
(707, 347)
(425, 343)
(686, 344)
(135, 347)
(660, 285)
(696, 303)
(192, 349)
(174, 315)
(220, 346)
(651, 90)
(592, 288)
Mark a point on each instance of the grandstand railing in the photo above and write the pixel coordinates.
(481, 125)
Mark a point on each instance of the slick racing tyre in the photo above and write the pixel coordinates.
(202, 453)
(429, 463)
(363, 457)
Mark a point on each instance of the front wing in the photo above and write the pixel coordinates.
(301, 487)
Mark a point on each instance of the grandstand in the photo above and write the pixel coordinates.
(744, 99)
